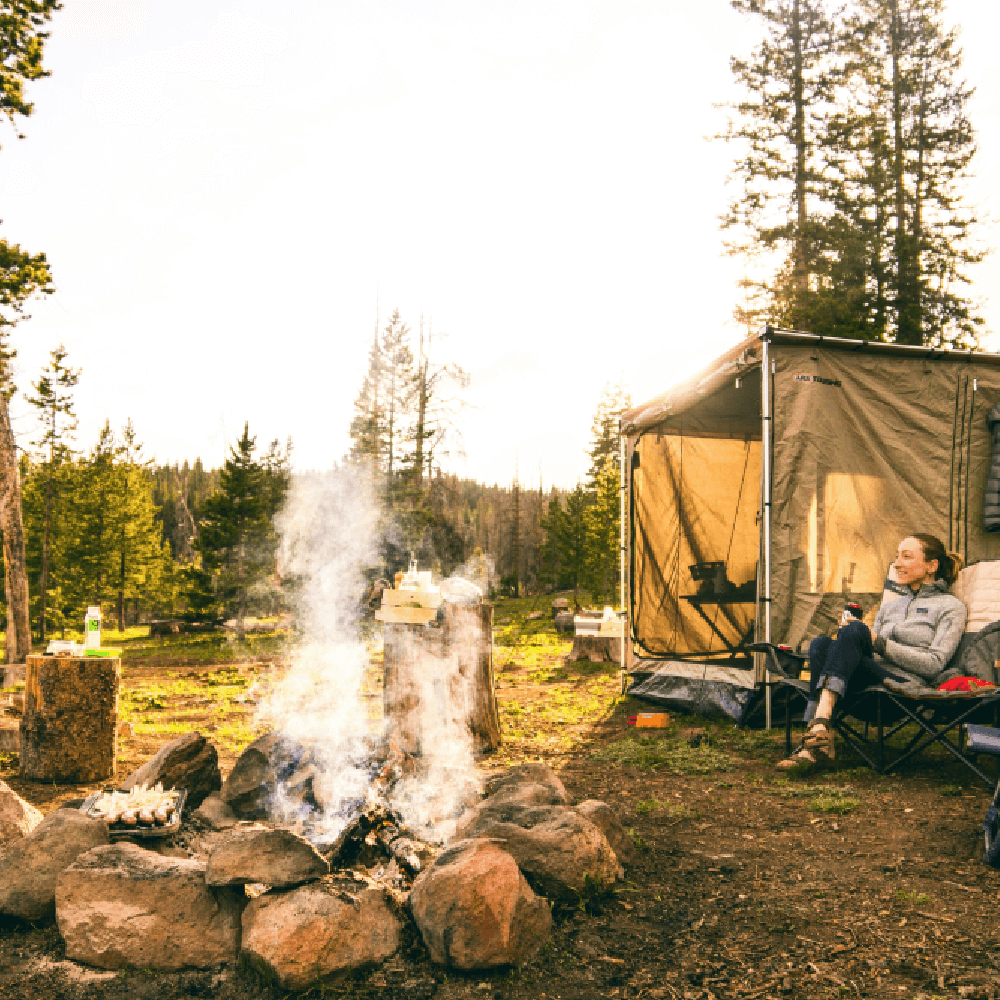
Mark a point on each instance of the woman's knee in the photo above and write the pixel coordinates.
(819, 646)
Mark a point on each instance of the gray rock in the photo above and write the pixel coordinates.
(30, 867)
(601, 815)
(120, 906)
(557, 854)
(304, 935)
(475, 910)
(514, 780)
(272, 758)
(477, 822)
(17, 817)
(214, 813)
(259, 854)
(190, 762)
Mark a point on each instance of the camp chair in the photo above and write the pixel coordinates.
(986, 739)
(941, 717)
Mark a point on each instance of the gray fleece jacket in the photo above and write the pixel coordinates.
(917, 634)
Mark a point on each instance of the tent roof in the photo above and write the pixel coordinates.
(747, 356)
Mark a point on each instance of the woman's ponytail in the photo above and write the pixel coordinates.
(949, 563)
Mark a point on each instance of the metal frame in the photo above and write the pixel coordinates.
(765, 383)
(915, 710)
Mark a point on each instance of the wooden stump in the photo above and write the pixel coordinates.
(70, 721)
(596, 649)
(459, 654)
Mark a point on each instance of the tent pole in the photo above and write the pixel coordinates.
(765, 383)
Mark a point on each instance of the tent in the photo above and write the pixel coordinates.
(773, 486)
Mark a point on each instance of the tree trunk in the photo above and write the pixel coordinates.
(18, 622)
(801, 257)
(453, 665)
(907, 331)
(69, 727)
(43, 585)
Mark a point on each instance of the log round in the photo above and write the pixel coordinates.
(70, 722)
(462, 649)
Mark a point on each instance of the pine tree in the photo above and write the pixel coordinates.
(604, 432)
(910, 96)
(602, 520)
(780, 123)
(236, 539)
(54, 401)
(857, 141)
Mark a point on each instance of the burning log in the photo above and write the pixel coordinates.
(69, 731)
(450, 666)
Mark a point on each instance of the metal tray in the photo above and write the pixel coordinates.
(116, 831)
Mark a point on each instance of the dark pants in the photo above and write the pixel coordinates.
(841, 664)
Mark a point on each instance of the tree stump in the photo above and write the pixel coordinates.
(596, 649)
(70, 722)
(433, 676)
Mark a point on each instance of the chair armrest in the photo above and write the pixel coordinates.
(782, 661)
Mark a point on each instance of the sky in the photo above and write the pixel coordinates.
(230, 197)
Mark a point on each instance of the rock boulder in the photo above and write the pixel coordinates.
(17, 817)
(121, 906)
(304, 935)
(190, 762)
(475, 910)
(527, 781)
(258, 854)
(272, 758)
(215, 814)
(30, 867)
(601, 815)
(556, 855)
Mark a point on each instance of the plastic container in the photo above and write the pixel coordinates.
(92, 629)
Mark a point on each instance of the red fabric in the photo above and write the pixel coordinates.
(965, 684)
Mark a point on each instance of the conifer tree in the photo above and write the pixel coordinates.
(54, 401)
(236, 538)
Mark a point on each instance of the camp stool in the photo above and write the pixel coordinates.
(986, 739)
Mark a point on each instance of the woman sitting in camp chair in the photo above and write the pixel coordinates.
(913, 638)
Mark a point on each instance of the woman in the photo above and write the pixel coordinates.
(913, 639)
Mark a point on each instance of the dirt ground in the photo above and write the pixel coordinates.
(743, 883)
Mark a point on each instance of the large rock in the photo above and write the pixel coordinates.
(477, 822)
(215, 814)
(258, 854)
(475, 910)
(190, 762)
(30, 867)
(255, 775)
(122, 906)
(601, 815)
(304, 935)
(17, 817)
(557, 854)
(537, 782)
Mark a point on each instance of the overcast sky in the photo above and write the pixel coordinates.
(228, 191)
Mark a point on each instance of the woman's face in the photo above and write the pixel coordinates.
(911, 568)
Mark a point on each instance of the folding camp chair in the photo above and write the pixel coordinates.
(939, 716)
(986, 739)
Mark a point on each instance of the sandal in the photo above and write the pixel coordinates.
(817, 747)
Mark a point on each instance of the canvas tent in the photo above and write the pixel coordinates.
(776, 484)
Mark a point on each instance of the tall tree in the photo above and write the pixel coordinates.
(915, 103)
(882, 143)
(236, 540)
(779, 124)
(53, 399)
(22, 275)
(604, 434)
